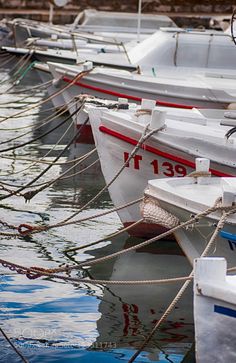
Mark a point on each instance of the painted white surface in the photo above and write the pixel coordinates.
(215, 332)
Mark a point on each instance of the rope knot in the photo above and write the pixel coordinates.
(25, 229)
(41, 271)
(32, 275)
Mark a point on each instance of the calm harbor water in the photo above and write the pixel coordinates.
(53, 321)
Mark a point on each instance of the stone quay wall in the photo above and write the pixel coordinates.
(190, 6)
(38, 9)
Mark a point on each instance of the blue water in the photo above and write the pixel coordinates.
(52, 321)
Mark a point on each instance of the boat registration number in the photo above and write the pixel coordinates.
(166, 168)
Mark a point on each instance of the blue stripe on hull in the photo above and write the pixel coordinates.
(224, 311)
(227, 235)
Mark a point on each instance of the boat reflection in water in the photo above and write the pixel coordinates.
(128, 313)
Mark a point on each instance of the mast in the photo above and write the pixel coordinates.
(139, 20)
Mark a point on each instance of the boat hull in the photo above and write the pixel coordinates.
(113, 88)
(214, 311)
(194, 240)
(153, 160)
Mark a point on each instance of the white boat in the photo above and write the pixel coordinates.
(105, 21)
(181, 87)
(166, 90)
(170, 152)
(183, 197)
(176, 67)
(84, 142)
(118, 25)
(169, 73)
(168, 47)
(214, 311)
(52, 87)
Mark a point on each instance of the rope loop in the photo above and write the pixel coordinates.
(24, 229)
(32, 276)
(35, 272)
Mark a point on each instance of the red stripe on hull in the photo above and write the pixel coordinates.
(86, 135)
(130, 97)
(160, 247)
(155, 151)
(147, 230)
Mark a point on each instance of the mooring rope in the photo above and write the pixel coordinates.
(23, 72)
(42, 161)
(18, 63)
(35, 272)
(20, 71)
(43, 123)
(8, 78)
(36, 162)
(178, 296)
(67, 221)
(191, 221)
(108, 237)
(55, 94)
(13, 346)
(15, 78)
(62, 176)
(10, 59)
(14, 147)
(30, 89)
(46, 272)
(25, 229)
(30, 194)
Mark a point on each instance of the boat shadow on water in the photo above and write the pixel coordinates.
(128, 313)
